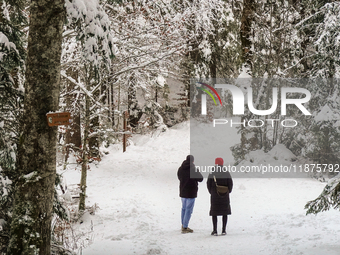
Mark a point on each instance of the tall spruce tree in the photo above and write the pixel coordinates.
(325, 132)
(12, 56)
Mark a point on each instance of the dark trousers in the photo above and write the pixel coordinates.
(224, 222)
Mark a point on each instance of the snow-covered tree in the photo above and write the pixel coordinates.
(88, 48)
(321, 66)
(274, 47)
(12, 56)
(285, 42)
(324, 133)
(150, 39)
(329, 197)
(214, 38)
(321, 22)
(36, 160)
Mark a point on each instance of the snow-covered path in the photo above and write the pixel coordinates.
(137, 193)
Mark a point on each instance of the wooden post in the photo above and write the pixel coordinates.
(125, 129)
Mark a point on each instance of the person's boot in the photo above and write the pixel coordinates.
(214, 233)
(224, 232)
(186, 230)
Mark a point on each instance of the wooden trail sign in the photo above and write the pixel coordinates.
(58, 118)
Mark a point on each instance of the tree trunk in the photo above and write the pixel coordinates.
(73, 136)
(135, 112)
(214, 58)
(246, 22)
(94, 142)
(73, 132)
(110, 103)
(36, 160)
(82, 194)
(85, 158)
(213, 65)
(243, 139)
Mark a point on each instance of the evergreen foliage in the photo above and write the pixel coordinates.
(12, 56)
(329, 198)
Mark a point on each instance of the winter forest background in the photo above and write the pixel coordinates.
(133, 60)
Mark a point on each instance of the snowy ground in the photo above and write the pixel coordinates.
(137, 193)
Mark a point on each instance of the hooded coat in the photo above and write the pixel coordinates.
(188, 185)
(219, 205)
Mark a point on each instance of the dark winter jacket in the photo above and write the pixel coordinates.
(219, 205)
(188, 187)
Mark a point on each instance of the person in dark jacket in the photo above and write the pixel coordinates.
(219, 203)
(188, 187)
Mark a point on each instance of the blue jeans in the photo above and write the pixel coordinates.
(187, 208)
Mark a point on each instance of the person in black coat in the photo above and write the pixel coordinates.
(188, 187)
(219, 203)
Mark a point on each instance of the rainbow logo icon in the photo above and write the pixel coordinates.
(208, 92)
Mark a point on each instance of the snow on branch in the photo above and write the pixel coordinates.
(330, 197)
(82, 88)
(92, 25)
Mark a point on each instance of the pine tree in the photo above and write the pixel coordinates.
(329, 197)
(214, 40)
(322, 132)
(12, 56)
(277, 50)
